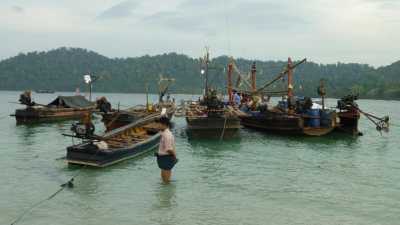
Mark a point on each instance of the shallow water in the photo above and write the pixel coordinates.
(253, 179)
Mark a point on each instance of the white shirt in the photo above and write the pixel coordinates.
(167, 142)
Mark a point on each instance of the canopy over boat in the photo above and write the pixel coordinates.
(71, 102)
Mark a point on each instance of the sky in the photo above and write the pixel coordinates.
(323, 31)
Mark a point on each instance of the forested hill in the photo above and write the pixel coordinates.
(62, 70)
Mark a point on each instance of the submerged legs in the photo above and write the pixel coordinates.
(166, 175)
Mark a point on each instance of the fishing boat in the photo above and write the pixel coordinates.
(209, 117)
(61, 108)
(119, 118)
(117, 145)
(349, 114)
(45, 91)
(113, 119)
(292, 115)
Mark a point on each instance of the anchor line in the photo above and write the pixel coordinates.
(223, 129)
(68, 184)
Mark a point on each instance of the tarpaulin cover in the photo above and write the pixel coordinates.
(71, 102)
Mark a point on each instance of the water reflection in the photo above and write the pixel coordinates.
(26, 134)
(214, 148)
(293, 140)
(164, 204)
(166, 195)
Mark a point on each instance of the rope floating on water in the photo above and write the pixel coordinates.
(3, 117)
(68, 184)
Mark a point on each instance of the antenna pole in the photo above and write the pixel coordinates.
(90, 91)
(290, 78)
(253, 77)
(206, 69)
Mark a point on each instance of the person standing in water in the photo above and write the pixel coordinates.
(166, 155)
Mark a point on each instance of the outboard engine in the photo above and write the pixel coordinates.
(347, 102)
(82, 130)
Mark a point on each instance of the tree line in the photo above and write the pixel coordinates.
(62, 69)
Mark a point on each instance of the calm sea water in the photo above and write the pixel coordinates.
(253, 179)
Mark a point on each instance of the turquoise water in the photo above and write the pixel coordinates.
(253, 179)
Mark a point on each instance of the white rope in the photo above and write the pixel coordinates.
(223, 130)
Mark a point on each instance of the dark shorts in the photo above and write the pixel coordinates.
(166, 162)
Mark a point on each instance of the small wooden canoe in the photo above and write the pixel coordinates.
(118, 145)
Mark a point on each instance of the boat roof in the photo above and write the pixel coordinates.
(72, 102)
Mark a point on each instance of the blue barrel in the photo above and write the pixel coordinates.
(314, 121)
(326, 118)
(283, 104)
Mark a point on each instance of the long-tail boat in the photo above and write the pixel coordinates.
(114, 146)
(349, 114)
(292, 115)
(119, 118)
(113, 119)
(61, 108)
(209, 117)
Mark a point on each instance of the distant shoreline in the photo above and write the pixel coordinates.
(172, 93)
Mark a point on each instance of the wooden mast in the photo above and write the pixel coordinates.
(322, 92)
(253, 77)
(290, 78)
(230, 70)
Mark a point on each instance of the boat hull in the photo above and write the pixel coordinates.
(214, 127)
(90, 155)
(348, 122)
(116, 120)
(286, 124)
(33, 115)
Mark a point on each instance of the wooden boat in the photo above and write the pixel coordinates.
(117, 145)
(118, 118)
(210, 117)
(295, 123)
(113, 119)
(348, 115)
(45, 91)
(216, 123)
(292, 115)
(63, 107)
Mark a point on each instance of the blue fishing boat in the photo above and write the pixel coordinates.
(117, 145)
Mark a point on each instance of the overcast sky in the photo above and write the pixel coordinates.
(324, 31)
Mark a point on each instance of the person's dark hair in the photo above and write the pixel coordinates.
(164, 120)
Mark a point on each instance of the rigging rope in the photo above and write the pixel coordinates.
(228, 32)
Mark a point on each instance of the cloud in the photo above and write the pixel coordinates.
(328, 31)
(120, 10)
(17, 9)
(208, 16)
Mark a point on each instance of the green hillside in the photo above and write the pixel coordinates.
(62, 70)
